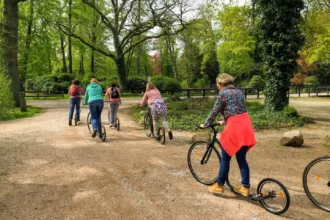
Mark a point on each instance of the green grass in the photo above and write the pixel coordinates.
(187, 114)
(16, 113)
(66, 96)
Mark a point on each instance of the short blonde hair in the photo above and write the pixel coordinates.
(225, 79)
(95, 80)
(150, 86)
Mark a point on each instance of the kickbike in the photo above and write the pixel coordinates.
(204, 164)
(149, 128)
(103, 136)
(316, 182)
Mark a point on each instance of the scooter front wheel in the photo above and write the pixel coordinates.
(276, 198)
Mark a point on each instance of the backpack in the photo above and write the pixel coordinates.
(75, 91)
(114, 93)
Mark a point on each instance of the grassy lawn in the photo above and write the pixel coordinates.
(16, 113)
(187, 114)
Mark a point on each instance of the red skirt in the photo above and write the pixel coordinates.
(237, 133)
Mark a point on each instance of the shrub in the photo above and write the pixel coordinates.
(65, 77)
(165, 83)
(312, 81)
(6, 96)
(290, 111)
(184, 84)
(136, 84)
(257, 82)
(203, 82)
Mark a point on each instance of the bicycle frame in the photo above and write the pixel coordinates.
(209, 150)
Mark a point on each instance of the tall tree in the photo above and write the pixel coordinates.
(280, 41)
(122, 24)
(69, 37)
(27, 43)
(10, 45)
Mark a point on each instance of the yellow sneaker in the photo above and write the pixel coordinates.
(216, 189)
(243, 191)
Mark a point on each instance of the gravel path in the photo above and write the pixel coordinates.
(49, 170)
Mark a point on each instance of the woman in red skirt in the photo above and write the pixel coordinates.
(237, 137)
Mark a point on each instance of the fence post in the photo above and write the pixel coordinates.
(299, 92)
(38, 94)
(317, 92)
(257, 93)
(22, 101)
(327, 90)
(188, 93)
(203, 93)
(309, 91)
(245, 92)
(288, 94)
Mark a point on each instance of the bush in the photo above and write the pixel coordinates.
(165, 83)
(312, 81)
(290, 111)
(65, 77)
(203, 82)
(184, 84)
(257, 82)
(6, 96)
(136, 84)
(187, 114)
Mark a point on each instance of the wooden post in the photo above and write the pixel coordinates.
(299, 92)
(22, 101)
(317, 92)
(245, 92)
(203, 93)
(188, 93)
(327, 90)
(309, 91)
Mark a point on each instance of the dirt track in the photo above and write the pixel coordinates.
(49, 170)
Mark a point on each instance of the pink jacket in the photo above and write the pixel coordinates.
(149, 96)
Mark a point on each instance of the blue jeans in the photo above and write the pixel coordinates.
(95, 108)
(242, 163)
(74, 102)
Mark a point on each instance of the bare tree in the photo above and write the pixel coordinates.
(123, 23)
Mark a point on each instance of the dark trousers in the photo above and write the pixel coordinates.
(75, 102)
(242, 163)
(95, 108)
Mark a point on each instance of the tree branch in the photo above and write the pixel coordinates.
(67, 32)
(103, 17)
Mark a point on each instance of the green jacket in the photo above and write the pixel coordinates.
(93, 92)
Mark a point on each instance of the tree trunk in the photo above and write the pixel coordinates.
(81, 66)
(93, 62)
(120, 64)
(10, 46)
(171, 50)
(69, 41)
(27, 45)
(65, 67)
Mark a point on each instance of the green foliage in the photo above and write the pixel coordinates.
(6, 96)
(280, 41)
(16, 113)
(49, 83)
(187, 114)
(290, 111)
(316, 28)
(174, 97)
(165, 83)
(136, 84)
(203, 82)
(257, 82)
(312, 81)
(236, 50)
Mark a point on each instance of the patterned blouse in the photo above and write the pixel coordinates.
(230, 102)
